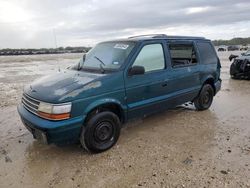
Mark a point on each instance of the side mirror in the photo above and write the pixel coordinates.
(136, 70)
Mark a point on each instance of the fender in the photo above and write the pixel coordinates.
(208, 77)
(216, 84)
(100, 102)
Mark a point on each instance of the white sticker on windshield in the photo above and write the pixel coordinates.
(121, 46)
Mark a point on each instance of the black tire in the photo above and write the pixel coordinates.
(205, 98)
(101, 132)
(234, 71)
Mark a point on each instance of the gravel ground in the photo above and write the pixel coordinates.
(177, 148)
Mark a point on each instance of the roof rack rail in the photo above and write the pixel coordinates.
(184, 37)
(149, 35)
(173, 37)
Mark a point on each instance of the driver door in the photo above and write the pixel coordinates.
(144, 92)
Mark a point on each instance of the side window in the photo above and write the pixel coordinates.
(182, 54)
(151, 57)
(207, 53)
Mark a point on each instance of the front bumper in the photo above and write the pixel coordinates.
(46, 131)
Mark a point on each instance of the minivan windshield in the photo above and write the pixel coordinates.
(106, 56)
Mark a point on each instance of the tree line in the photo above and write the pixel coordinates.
(234, 41)
(34, 51)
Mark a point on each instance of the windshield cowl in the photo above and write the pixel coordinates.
(95, 70)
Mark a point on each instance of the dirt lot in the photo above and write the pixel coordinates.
(177, 148)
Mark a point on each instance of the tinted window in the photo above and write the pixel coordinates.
(151, 57)
(207, 53)
(182, 54)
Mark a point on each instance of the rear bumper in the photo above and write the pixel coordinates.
(46, 131)
(217, 85)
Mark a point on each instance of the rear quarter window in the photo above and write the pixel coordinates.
(182, 54)
(207, 53)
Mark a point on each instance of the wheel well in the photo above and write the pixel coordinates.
(211, 82)
(115, 108)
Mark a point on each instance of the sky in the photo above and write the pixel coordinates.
(51, 23)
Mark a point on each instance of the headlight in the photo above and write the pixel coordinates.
(45, 107)
(54, 111)
(61, 109)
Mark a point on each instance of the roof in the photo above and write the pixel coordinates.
(159, 36)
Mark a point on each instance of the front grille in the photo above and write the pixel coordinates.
(30, 103)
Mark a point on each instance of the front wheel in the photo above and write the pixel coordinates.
(204, 100)
(101, 132)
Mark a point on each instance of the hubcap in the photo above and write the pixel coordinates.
(206, 98)
(103, 132)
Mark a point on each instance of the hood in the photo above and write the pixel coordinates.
(53, 88)
(243, 57)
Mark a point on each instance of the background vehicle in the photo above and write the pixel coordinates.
(222, 48)
(117, 81)
(240, 68)
(244, 48)
(233, 48)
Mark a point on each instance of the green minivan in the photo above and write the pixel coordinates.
(117, 81)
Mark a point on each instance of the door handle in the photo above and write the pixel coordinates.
(164, 83)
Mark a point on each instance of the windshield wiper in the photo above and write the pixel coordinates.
(101, 64)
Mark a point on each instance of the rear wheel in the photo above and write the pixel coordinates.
(204, 100)
(101, 132)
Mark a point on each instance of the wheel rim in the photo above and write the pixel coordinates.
(103, 132)
(206, 98)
